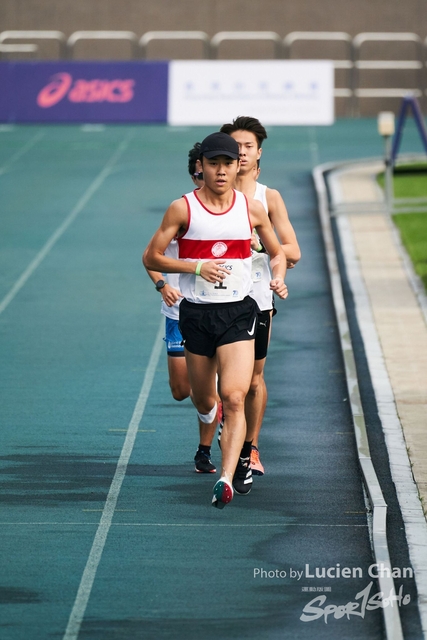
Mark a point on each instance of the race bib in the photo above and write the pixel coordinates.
(229, 289)
(258, 264)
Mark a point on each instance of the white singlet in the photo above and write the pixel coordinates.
(173, 280)
(210, 236)
(261, 274)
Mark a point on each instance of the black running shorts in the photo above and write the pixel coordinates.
(262, 335)
(205, 327)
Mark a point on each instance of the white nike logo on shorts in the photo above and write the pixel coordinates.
(252, 331)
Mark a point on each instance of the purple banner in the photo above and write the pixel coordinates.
(83, 91)
(4, 91)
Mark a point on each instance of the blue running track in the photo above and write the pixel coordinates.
(106, 531)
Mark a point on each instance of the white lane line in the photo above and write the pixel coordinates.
(88, 577)
(190, 525)
(93, 128)
(18, 154)
(216, 524)
(64, 226)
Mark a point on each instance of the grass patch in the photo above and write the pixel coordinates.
(413, 231)
(410, 181)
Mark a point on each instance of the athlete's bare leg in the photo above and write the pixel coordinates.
(202, 376)
(207, 431)
(256, 402)
(235, 366)
(178, 377)
(180, 388)
(234, 363)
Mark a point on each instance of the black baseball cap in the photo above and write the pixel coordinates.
(219, 144)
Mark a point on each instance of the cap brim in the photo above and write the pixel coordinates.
(220, 152)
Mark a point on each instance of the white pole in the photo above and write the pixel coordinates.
(386, 130)
(389, 193)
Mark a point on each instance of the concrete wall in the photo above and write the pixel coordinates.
(212, 16)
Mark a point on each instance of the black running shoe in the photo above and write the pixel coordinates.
(242, 480)
(203, 463)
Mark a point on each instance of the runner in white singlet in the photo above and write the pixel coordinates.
(250, 134)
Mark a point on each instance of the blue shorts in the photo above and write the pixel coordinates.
(173, 338)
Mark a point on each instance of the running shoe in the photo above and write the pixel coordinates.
(242, 480)
(203, 463)
(222, 493)
(256, 466)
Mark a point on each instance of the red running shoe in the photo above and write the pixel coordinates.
(222, 493)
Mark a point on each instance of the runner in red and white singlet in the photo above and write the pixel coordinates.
(217, 316)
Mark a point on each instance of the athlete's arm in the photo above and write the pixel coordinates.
(174, 224)
(169, 294)
(279, 217)
(261, 222)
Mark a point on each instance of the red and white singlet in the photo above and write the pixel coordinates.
(211, 236)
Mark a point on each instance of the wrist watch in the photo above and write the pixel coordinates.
(160, 284)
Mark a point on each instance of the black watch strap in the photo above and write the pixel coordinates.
(160, 284)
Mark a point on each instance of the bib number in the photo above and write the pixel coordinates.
(229, 289)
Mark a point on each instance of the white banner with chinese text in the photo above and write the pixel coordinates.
(277, 92)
